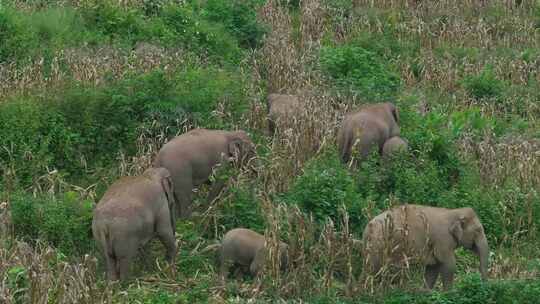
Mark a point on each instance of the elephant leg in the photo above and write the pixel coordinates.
(183, 193)
(271, 127)
(223, 268)
(430, 275)
(166, 236)
(112, 271)
(447, 269)
(123, 268)
(215, 190)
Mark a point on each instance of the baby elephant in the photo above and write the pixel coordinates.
(431, 233)
(132, 211)
(394, 145)
(281, 110)
(246, 248)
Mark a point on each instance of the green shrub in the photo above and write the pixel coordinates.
(239, 18)
(324, 187)
(33, 138)
(96, 123)
(62, 222)
(113, 21)
(241, 209)
(471, 290)
(185, 27)
(484, 85)
(17, 39)
(361, 71)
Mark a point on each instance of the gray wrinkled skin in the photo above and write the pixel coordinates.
(366, 129)
(394, 145)
(245, 248)
(191, 157)
(431, 233)
(134, 210)
(281, 110)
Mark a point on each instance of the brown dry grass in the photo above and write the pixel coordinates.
(284, 65)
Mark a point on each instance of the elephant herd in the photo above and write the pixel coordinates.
(135, 209)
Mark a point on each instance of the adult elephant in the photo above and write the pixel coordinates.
(132, 211)
(192, 156)
(367, 128)
(430, 233)
(281, 109)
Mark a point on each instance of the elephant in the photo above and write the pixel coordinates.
(394, 145)
(281, 109)
(192, 157)
(246, 249)
(131, 212)
(368, 127)
(430, 233)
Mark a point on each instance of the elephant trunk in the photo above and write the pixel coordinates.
(482, 250)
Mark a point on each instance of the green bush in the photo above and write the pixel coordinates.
(65, 223)
(472, 290)
(239, 18)
(185, 27)
(33, 138)
(17, 39)
(113, 21)
(361, 71)
(98, 122)
(241, 209)
(484, 85)
(324, 187)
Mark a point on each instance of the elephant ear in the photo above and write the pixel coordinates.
(235, 149)
(456, 229)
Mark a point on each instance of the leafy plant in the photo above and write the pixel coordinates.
(324, 187)
(484, 85)
(361, 71)
(64, 223)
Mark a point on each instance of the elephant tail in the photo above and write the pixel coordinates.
(103, 236)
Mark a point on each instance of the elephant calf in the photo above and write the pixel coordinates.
(281, 109)
(366, 129)
(427, 232)
(132, 211)
(394, 145)
(246, 248)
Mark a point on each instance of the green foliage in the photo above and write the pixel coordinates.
(17, 39)
(33, 138)
(63, 222)
(113, 21)
(158, 296)
(324, 188)
(182, 25)
(484, 85)
(17, 280)
(98, 122)
(472, 290)
(241, 209)
(239, 18)
(216, 29)
(361, 71)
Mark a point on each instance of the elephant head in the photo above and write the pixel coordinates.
(241, 148)
(469, 233)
